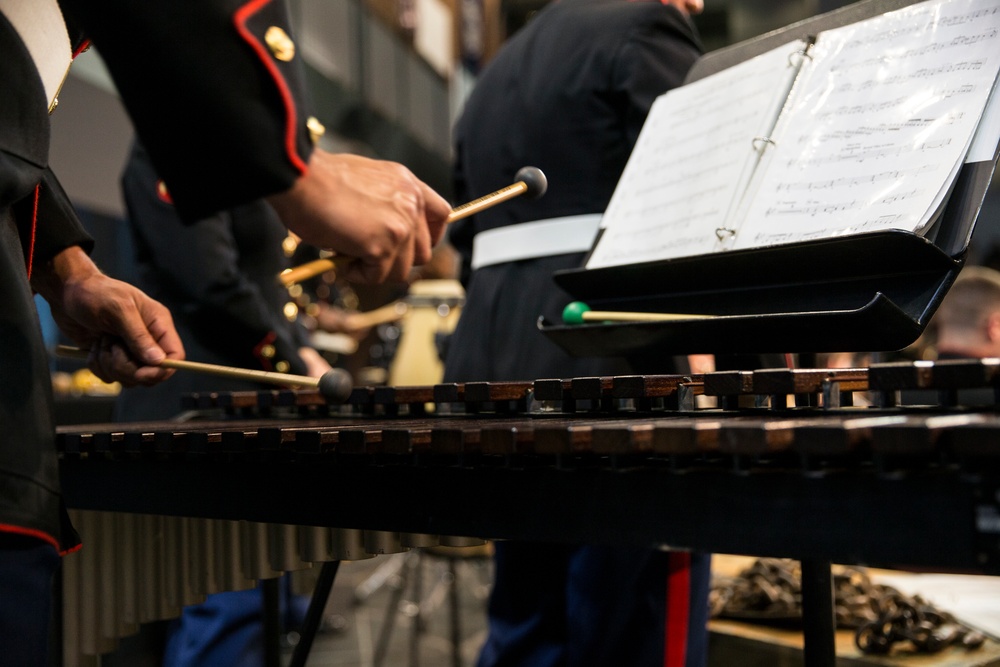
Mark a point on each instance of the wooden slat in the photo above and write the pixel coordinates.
(686, 437)
(646, 386)
(622, 439)
(900, 375)
(551, 390)
(728, 383)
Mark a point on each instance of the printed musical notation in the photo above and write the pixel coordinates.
(682, 175)
(918, 122)
(848, 181)
(860, 153)
(868, 133)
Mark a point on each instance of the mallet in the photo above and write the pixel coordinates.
(577, 312)
(335, 385)
(528, 181)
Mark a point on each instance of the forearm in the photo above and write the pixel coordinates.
(128, 333)
(50, 279)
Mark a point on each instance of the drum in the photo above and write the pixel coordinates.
(433, 310)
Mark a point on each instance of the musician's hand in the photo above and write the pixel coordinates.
(128, 333)
(316, 365)
(375, 212)
(334, 319)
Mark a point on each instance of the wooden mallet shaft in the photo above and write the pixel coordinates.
(528, 181)
(331, 384)
(626, 316)
(390, 312)
(268, 377)
(486, 201)
(289, 277)
(578, 312)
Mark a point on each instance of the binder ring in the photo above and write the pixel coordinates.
(760, 143)
(722, 233)
(802, 55)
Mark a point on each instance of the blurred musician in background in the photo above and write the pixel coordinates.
(568, 94)
(217, 276)
(967, 323)
(221, 105)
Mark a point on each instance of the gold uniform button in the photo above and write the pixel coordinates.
(281, 45)
(282, 366)
(291, 311)
(162, 192)
(267, 351)
(316, 129)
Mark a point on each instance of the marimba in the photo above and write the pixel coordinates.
(784, 465)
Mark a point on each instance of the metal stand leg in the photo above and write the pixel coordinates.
(271, 628)
(385, 635)
(818, 620)
(391, 567)
(417, 628)
(456, 627)
(314, 615)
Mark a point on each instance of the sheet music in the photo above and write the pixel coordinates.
(693, 156)
(984, 143)
(878, 125)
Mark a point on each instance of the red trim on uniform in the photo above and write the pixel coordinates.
(71, 550)
(265, 341)
(162, 193)
(678, 602)
(30, 532)
(34, 225)
(84, 45)
(240, 18)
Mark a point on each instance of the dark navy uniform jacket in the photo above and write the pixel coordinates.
(214, 99)
(568, 94)
(217, 276)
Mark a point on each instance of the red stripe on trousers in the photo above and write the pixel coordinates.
(678, 602)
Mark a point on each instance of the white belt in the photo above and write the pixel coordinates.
(530, 240)
(41, 27)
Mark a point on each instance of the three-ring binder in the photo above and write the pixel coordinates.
(802, 54)
(760, 143)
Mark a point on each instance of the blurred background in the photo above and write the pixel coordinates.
(387, 78)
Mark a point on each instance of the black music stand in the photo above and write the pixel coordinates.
(871, 292)
(867, 292)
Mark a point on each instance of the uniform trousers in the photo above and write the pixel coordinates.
(227, 628)
(590, 606)
(27, 569)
